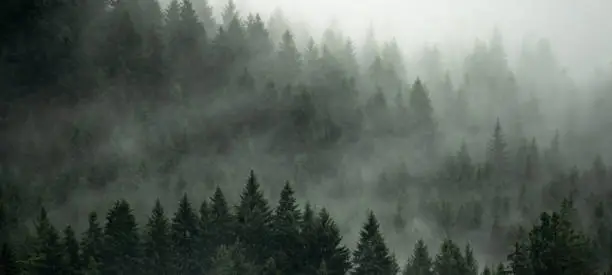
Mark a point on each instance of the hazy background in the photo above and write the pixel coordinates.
(579, 30)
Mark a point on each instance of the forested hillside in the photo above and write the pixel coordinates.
(138, 107)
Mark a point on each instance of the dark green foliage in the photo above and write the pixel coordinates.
(185, 237)
(230, 260)
(47, 257)
(121, 234)
(222, 222)
(285, 232)
(420, 263)
(157, 244)
(334, 256)
(372, 255)
(254, 218)
(450, 260)
(553, 247)
(72, 255)
(92, 242)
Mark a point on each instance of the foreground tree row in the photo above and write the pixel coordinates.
(255, 239)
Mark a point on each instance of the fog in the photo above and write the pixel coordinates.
(577, 29)
(198, 126)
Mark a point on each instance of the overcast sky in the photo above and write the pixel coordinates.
(580, 30)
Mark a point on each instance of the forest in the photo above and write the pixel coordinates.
(141, 137)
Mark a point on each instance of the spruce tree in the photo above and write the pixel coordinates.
(372, 256)
(205, 242)
(287, 244)
(289, 60)
(449, 260)
(157, 244)
(92, 241)
(420, 263)
(222, 222)
(253, 216)
(184, 235)
(308, 233)
(470, 262)
(121, 253)
(72, 256)
(497, 154)
(335, 257)
(47, 256)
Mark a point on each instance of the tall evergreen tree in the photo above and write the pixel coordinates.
(449, 260)
(420, 263)
(122, 252)
(72, 256)
(92, 241)
(184, 235)
(222, 221)
(254, 219)
(372, 256)
(497, 154)
(289, 60)
(286, 232)
(47, 256)
(335, 257)
(157, 243)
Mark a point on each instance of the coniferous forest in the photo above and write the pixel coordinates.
(148, 138)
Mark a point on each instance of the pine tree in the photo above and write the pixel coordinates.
(335, 257)
(289, 60)
(222, 221)
(72, 253)
(254, 217)
(184, 237)
(205, 243)
(121, 253)
(308, 233)
(420, 263)
(372, 256)
(92, 241)
(205, 14)
(449, 260)
(421, 108)
(157, 244)
(286, 232)
(470, 262)
(497, 155)
(229, 14)
(47, 256)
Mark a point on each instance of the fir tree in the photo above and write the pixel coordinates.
(205, 242)
(121, 253)
(254, 217)
(497, 155)
(222, 221)
(92, 241)
(72, 253)
(157, 243)
(449, 260)
(47, 256)
(420, 263)
(335, 257)
(184, 235)
(286, 232)
(372, 256)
